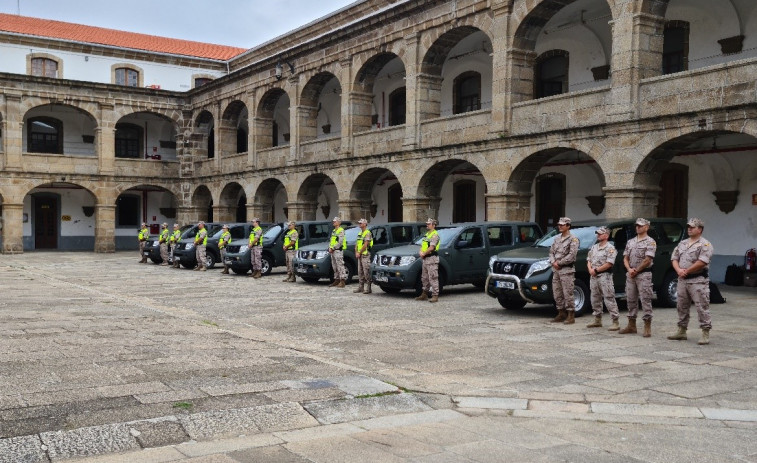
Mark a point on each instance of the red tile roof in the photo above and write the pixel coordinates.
(97, 35)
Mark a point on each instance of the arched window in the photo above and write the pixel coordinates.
(200, 81)
(397, 103)
(467, 92)
(44, 135)
(129, 141)
(241, 140)
(128, 77)
(551, 74)
(675, 48)
(44, 67)
(275, 134)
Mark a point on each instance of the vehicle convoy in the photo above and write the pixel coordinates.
(238, 252)
(152, 246)
(524, 275)
(187, 254)
(313, 262)
(464, 251)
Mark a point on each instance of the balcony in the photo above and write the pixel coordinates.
(560, 112)
(233, 163)
(322, 149)
(146, 168)
(270, 158)
(378, 141)
(60, 163)
(453, 130)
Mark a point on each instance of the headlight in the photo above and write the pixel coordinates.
(321, 255)
(189, 246)
(375, 260)
(407, 260)
(538, 266)
(243, 248)
(492, 259)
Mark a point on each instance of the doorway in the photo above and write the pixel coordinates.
(674, 192)
(550, 200)
(395, 203)
(464, 201)
(45, 222)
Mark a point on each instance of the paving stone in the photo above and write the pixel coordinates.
(646, 410)
(729, 415)
(25, 449)
(491, 402)
(340, 411)
(158, 433)
(96, 440)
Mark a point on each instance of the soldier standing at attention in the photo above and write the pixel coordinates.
(336, 248)
(599, 262)
(363, 247)
(256, 248)
(638, 258)
(163, 241)
(201, 241)
(691, 261)
(175, 238)
(223, 241)
(144, 235)
(562, 256)
(429, 252)
(291, 245)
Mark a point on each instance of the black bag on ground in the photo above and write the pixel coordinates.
(715, 296)
(734, 275)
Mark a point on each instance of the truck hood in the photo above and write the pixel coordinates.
(407, 250)
(322, 246)
(526, 254)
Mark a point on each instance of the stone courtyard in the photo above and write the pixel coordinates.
(104, 359)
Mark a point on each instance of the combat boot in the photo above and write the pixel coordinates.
(368, 289)
(705, 339)
(647, 328)
(143, 261)
(225, 270)
(561, 316)
(597, 323)
(197, 267)
(341, 284)
(176, 264)
(434, 298)
(630, 328)
(680, 335)
(359, 288)
(164, 263)
(423, 296)
(257, 274)
(287, 279)
(615, 325)
(203, 268)
(334, 283)
(571, 318)
(293, 279)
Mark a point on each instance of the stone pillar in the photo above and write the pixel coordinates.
(294, 121)
(222, 213)
(184, 145)
(509, 206)
(13, 228)
(260, 210)
(412, 70)
(226, 137)
(186, 215)
(301, 210)
(519, 80)
(105, 136)
(354, 209)
(500, 101)
(348, 130)
(622, 202)
(429, 92)
(105, 228)
(262, 138)
(420, 209)
(13, 126)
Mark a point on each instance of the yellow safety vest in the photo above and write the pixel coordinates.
(252, 236)
(204, 241)
(144, 233)
(224, 240)
(164, 235)
(287, 240)
(176, 236)
(359, 244)
(335, 237)
(427, 240)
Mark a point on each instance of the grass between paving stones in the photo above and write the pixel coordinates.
(378, 394)
(183, 405)
(210, 323)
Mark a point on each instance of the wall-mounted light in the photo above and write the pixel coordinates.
(280, 69)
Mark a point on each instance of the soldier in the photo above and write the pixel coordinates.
(562, 256)
(429, 252)
(143, 235)
(691, 261)
(201, 241)
(174, 240)
(363, 247)
(336, 248)
(256, 248)
(223, 241)
(599, 262)
(638, 258)
(291, 245)
(163, 241)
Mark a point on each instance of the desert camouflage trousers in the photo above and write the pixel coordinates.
(563, 284)
(164, 251)
(696, 291)
(430, 275)
(200, 255)
(639, 290)
(256, 258)
(290, 253)
(337, 263)
(603, 290)
(364, 268)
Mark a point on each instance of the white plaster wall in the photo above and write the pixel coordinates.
(279, 202)
(155, 129)
(390, 78)
(445, 206)
(474, 59)
(70, 204)
(330, 102)
(281, 117)
(328, 195)
(380, 197)
(581, 180)
(96, 68)
(748, 14)
(75, 124)
(585, 52)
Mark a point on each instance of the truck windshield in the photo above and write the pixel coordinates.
(350, 235)
(445, 235)
(586, 237)
(271, 234)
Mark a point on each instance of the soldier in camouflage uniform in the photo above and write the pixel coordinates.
(291, 244)
(599, 263)
(224, 241)
(336, 248)
(201, 241)
(363, 256)
(174, 240)
(638, 258)
(562, 256)
(691, 261)
(256, 248)
(429, 252)
(163, 239)
(143, 236)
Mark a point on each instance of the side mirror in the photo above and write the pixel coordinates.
(462, 244)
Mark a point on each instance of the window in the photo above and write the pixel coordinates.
(379, 235)
(675, 48)
(402, 234)
(472, 238)
(127, 77)
(551, 74)
(45, 135)
(44, 67)
(127, 211)
(673, 231)
(128, 141)
(528, 234)
(397, 108)
(467, 92)
(500, 235)
(320, 230)
(200, 81)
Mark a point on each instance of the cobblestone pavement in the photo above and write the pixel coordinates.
(108, 360)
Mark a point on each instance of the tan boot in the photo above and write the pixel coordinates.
(615, 326)
(571, 319)
(257, 274)
(630, 328)
(293, 279)
(423, 296)
(705, 339)
(434, 299)
(176, 264)
(561, 316)
(679, 335)
(143, 261)
(287, 279)
(334, 283)
(204, 268)
(359, 289)
(164, 263)
(597, 323)
(225, 270)
(197, 267)
(367, 289)
(647, 329)
(341, 284)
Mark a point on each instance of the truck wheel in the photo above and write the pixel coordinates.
(266, 265)
(239, 271)
(582, 298)
(390, 289)
(668, 293)
(310, 279)
(210, 260)
(186, 265)
(350, 272)
(510, 304)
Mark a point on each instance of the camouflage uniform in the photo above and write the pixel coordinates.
(430, 270)
(639, 289)
(694, 288)
(143, 235)
(200, 248)
(601, 285)
(364, 261)
(163, 241)
(337, 254)
(291, 253)
(256, 249)
(564, 251)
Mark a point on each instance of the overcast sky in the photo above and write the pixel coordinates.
(241, 23)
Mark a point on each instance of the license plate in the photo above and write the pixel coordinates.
(381, 278)
(505, 284)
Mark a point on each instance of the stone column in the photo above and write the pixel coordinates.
(295, 121)
(412, 70)
(519, 80)
(222, 213)
(184, 145)
(420, 209)
(301, 210)
(13, 228)
(260, 210)
(345, 79)
(105, 228)
(354, 209)
(13, 126)
(622, 202)
(262, 138)
(509, 206)
(186, 215)
(105, 135)
(500, 102)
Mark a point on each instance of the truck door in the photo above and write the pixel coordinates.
(469, 256)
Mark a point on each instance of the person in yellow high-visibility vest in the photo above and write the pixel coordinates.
(336, 248)
(256, 248)
(291, 245)
(143, 235)
(201, 242)
(163, 242)
(224, 241)
(363, 247)
(174, 240)
(429, 252)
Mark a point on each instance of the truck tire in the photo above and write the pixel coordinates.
(668, 293)
(210, 260)
(510, 304)
(266, 264)
(582, 298)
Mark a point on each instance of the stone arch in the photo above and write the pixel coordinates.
(232, 203)
(202, 203)
(271, 125)
(87, 107)
(437, 196)
(367, 201)
(71, 124)
(234, 128)
(317, 197)
(372, 92)
(436, 53)
(204, 134)
(320, 111)
(270, 200)
(529, 18)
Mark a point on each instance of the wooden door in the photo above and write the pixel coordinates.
(550, 200)
(45, 223)
(464, 201)
(395, 203)
(674, 192)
